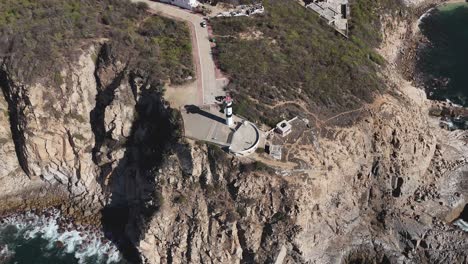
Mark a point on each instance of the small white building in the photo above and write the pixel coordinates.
(336, 12)
(283, 128)
(187, 4)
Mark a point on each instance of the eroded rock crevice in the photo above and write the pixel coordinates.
(18, 102)
(109, 75)
(130, 180)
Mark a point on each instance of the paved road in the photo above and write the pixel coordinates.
(206, 80)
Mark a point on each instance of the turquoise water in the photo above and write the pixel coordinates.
(41, 239)
(445, 61)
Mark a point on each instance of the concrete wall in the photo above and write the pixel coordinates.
(188, 4)
(254, 147)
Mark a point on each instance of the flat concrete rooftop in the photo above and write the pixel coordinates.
(246, 136)
(207, 123)
(331, 10)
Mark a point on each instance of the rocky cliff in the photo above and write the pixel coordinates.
(90, 145)
(105, 147)
(50, 131)
(379, 192)
(384, 190)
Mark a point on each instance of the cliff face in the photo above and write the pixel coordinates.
(77, 137)
(50, 129)
(383, 190)
(380, 191)
(89, 146)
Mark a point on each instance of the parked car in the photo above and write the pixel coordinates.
(203, 24)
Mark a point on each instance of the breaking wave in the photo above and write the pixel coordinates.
(49, 238)
(461, 224)
(425, 15)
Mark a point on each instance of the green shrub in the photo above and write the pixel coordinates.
(241, 211)
(299, 57)
(158, 199)
(40, 37)
(58, 79)
(79, 136)
(260, 166)
(260, 150)
(256, 166)
(180, 199)
(375, 57)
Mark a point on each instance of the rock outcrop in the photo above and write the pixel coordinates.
(88, 143)
(374, 195)
(384, 190)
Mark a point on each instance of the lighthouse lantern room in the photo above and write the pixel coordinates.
(228, 110)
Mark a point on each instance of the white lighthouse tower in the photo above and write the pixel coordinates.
(228, 110)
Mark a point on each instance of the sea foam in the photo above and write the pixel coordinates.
(428, 13)
(462, 224)
(83, 243)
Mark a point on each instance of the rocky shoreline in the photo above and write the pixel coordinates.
(65, 222)
(57, 196)
(61, 232)
(414, 39)
(448, 112)
(384, 179)
(48, 198)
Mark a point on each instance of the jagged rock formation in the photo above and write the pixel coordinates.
(51, 130)
(384, 190)
(93, 142)
(363, 203)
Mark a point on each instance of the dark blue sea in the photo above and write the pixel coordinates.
(444, 61)
(41, 239)
(46, 239)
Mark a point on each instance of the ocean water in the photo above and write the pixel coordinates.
(445, 60)
(46, 239)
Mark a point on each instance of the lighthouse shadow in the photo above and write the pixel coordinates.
(193, 109)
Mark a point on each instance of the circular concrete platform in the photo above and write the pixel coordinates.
(245, 139)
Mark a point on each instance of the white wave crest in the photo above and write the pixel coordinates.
(461, 224)
(83, 244)
(428, 13)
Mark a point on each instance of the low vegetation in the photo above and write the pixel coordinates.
(256, 166)
(298, 57)
(37, 37)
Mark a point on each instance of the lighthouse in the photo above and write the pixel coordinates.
(228, 110)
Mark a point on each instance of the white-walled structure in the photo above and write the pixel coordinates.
(245, 139)
(336, 12)
(228, 111)
(188, 4)
(206, 123)
(283, 128)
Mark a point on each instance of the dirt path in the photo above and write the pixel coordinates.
(320, 122)
(344, 113)
(205, 88)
